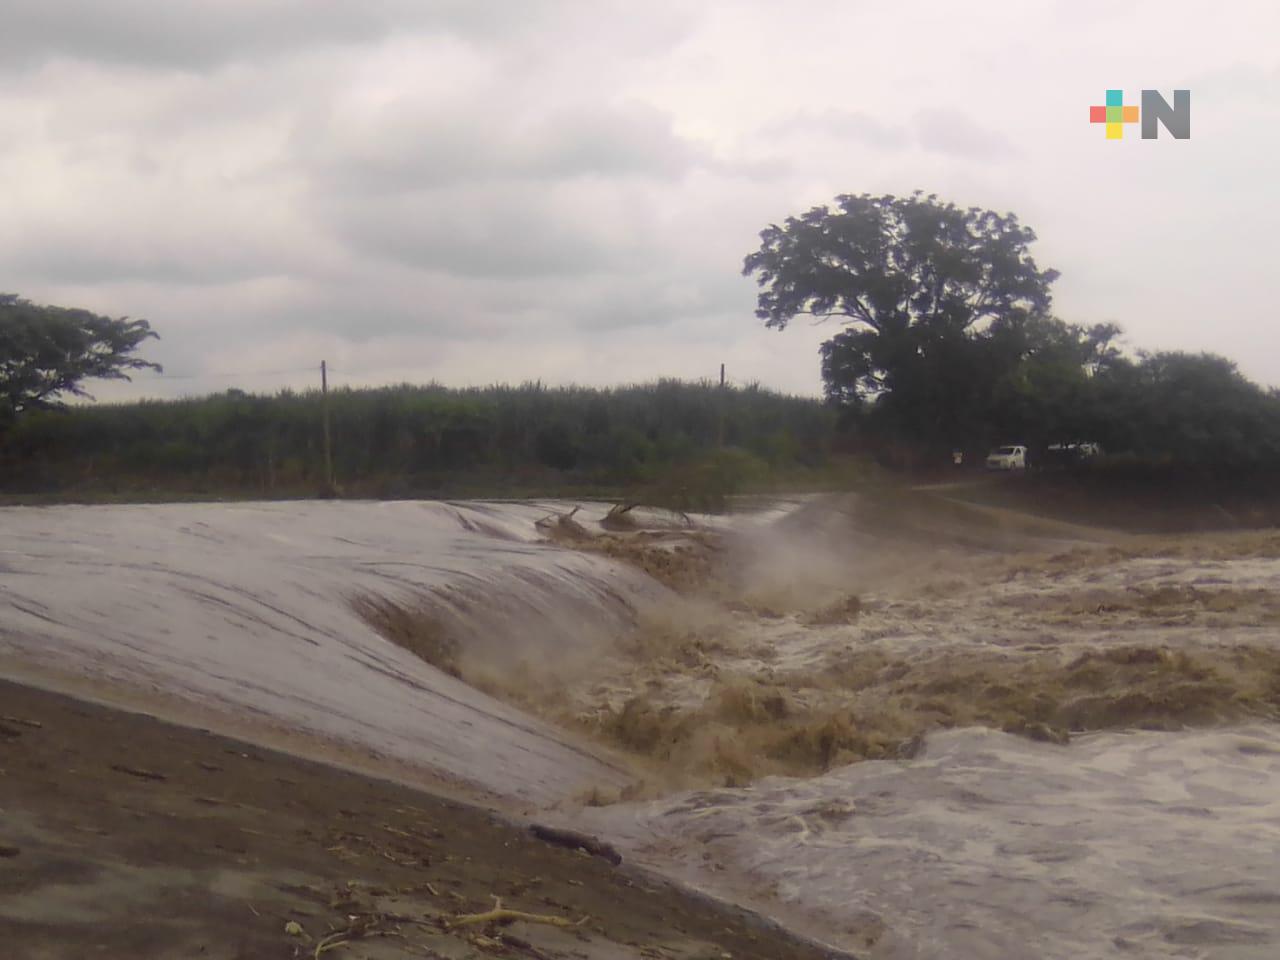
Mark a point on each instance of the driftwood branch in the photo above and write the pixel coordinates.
(576, 841)
(500, 914)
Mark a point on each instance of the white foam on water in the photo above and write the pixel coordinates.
(1146, 844)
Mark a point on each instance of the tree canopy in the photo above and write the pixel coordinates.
(947, 341)
(945, 314)
(47, 352)
(887, 263)
(1195, 409)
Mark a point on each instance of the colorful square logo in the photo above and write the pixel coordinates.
(1114, 114)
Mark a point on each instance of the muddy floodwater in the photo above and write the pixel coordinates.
(908, 728)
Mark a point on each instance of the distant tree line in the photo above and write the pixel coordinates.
(945, 340)
(424, 440)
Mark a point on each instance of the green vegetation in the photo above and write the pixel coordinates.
(940, 309)
(684, 445)
(947, 342)
(46, 352)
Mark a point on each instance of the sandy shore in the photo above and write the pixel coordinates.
(124, 836)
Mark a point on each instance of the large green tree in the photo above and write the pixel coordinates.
(939, 304)
(48, 352)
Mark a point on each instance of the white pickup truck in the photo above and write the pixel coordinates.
(1013, 457)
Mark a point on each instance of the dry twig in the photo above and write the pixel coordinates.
(500, 914)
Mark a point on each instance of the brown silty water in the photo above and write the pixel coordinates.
(908, 726)
(854, 626)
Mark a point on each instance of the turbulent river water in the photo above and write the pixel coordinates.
(975, 843)
(992, 846)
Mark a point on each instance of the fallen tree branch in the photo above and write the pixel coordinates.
(500, 914)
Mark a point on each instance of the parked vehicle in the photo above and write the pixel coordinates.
(1070, 454)
(1012, 457)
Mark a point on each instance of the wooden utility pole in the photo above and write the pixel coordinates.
(328, 448)
(720, 404)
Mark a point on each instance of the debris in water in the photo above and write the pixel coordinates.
(576, 841)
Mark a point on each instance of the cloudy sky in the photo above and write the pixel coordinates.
(564, 190)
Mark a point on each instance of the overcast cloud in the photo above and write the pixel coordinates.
(564, 190)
